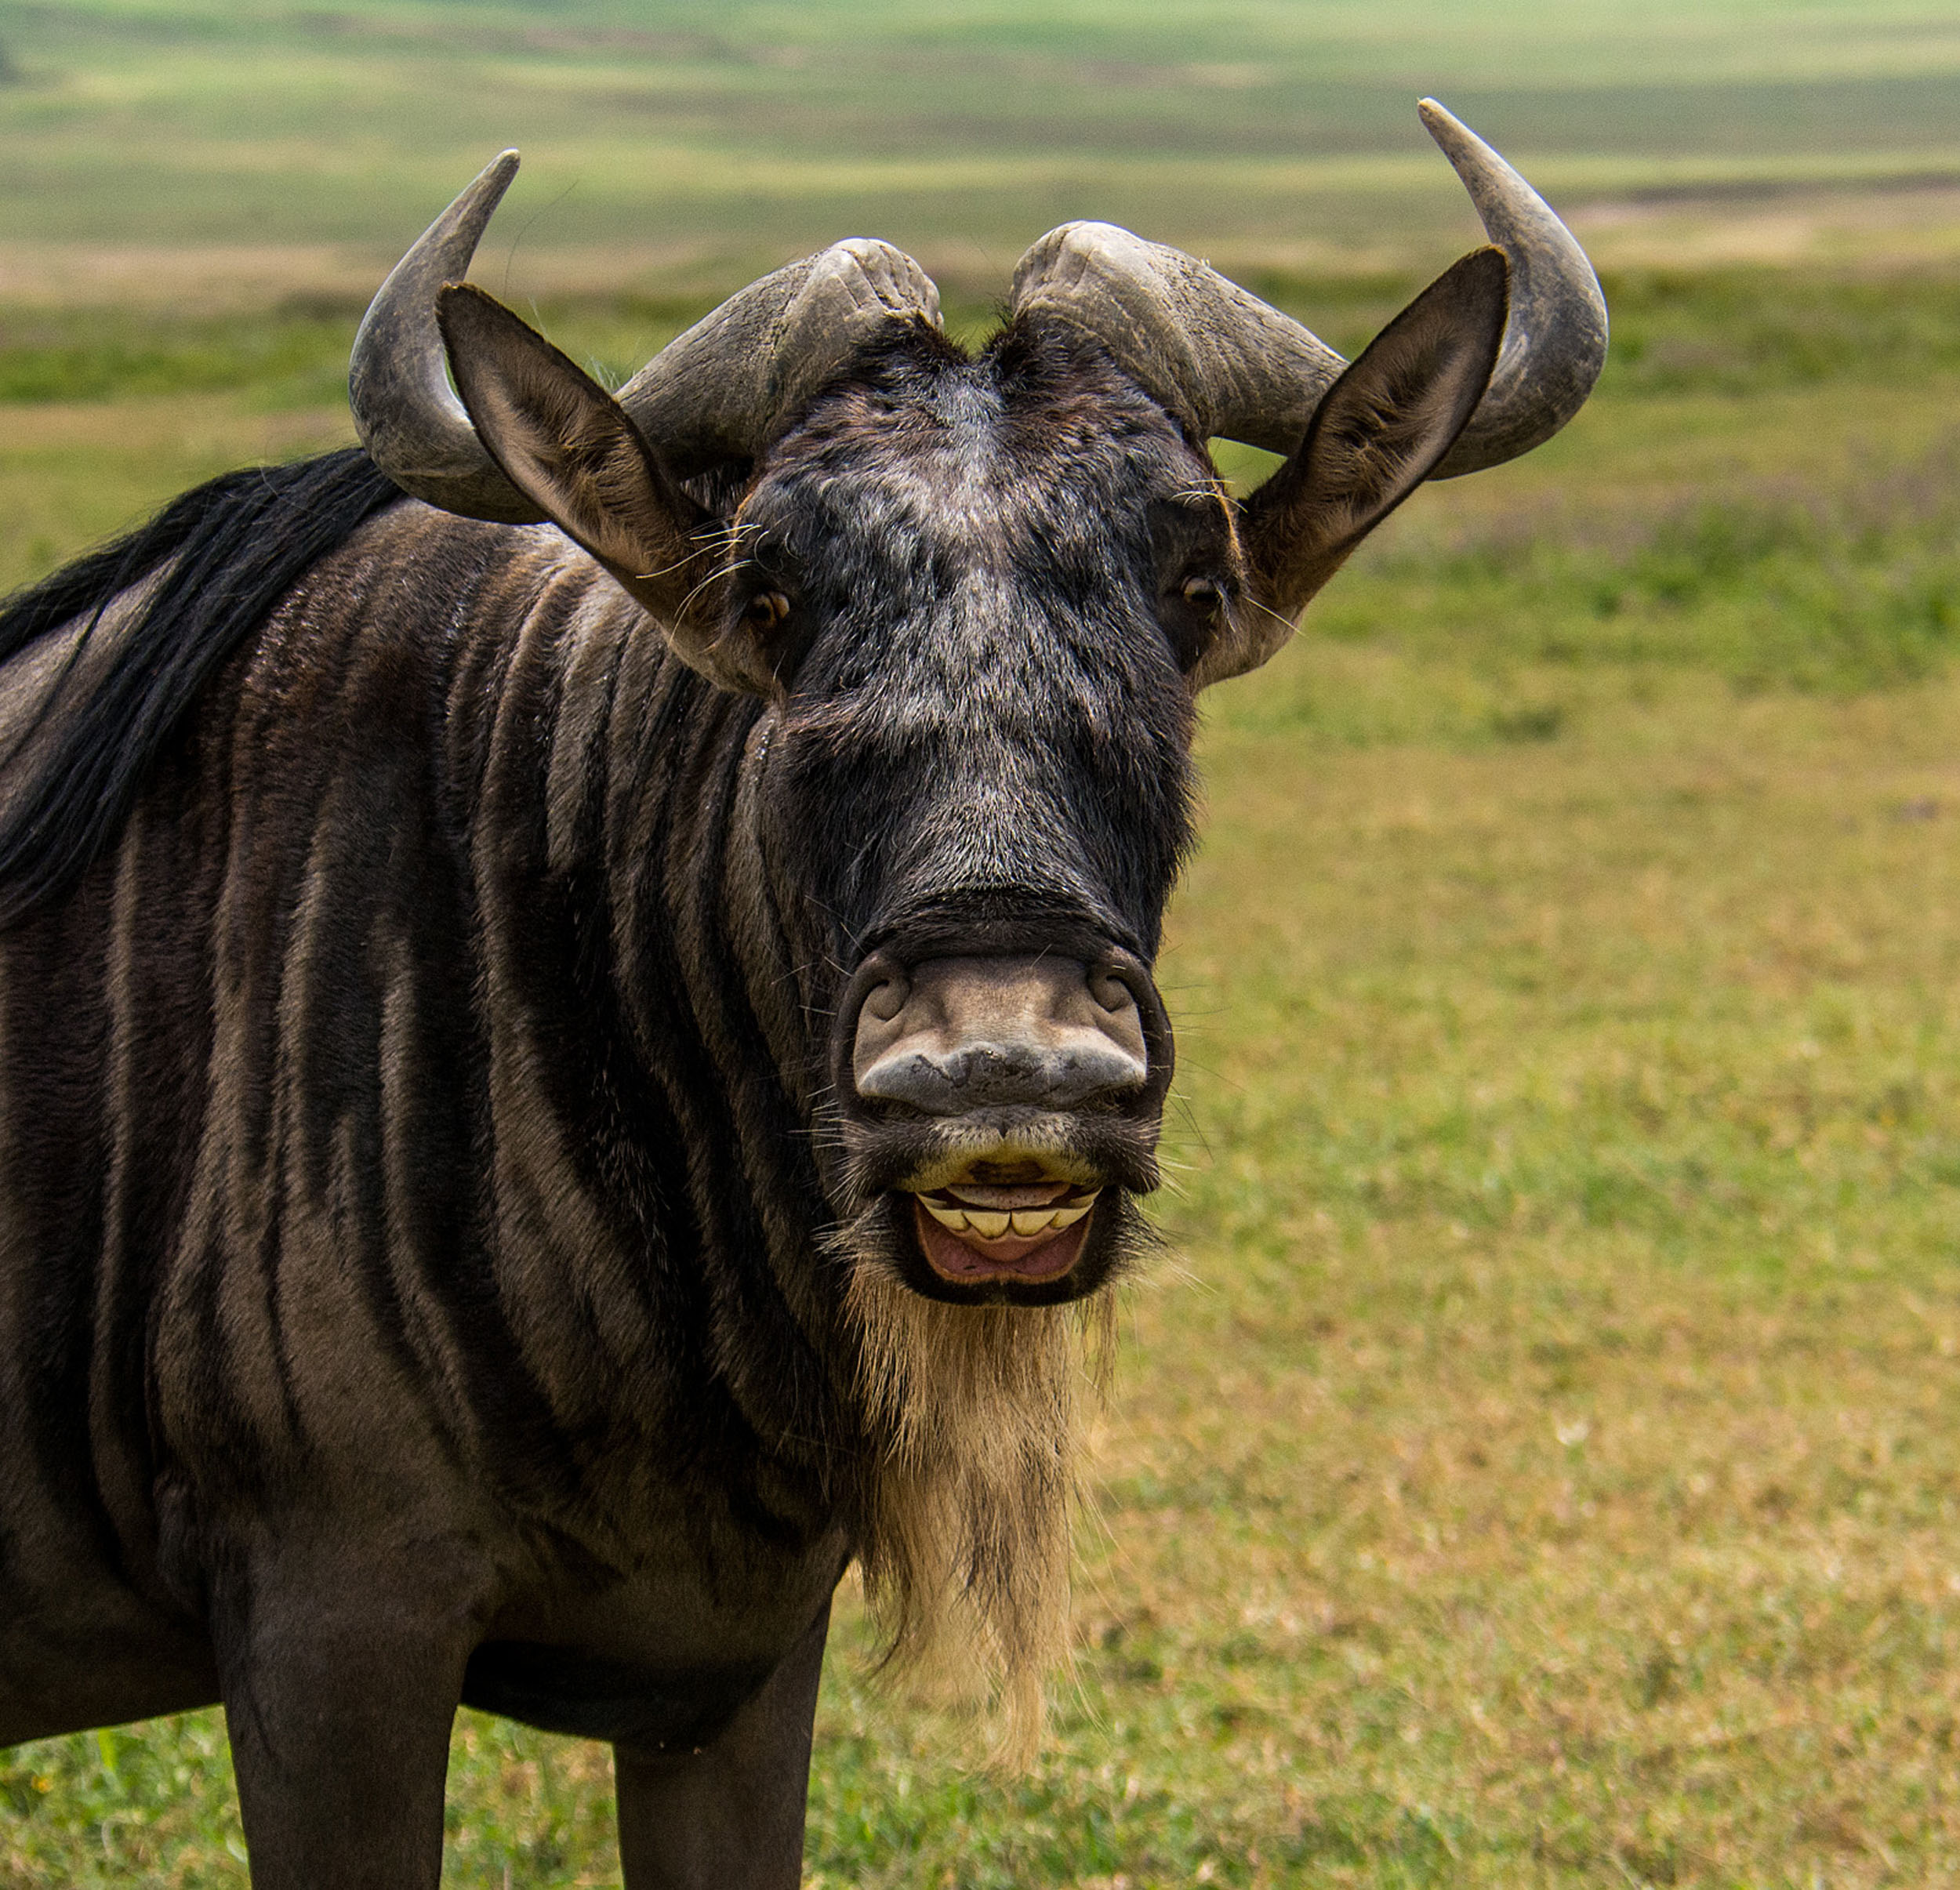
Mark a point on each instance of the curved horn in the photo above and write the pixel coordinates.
(711, 395)
(415, 428)
(1555, 339)
(1223, 361)
(717, 393)
(1230, 365)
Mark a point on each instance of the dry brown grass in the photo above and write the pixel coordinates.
(1546, 1471)
(1549, 1471)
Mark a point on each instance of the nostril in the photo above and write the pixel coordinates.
(1110, 990)
(887, 1000)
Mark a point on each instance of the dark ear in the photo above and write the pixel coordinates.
(572, 450)
(1379, 431)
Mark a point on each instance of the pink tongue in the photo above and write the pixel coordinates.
(1005, 1200)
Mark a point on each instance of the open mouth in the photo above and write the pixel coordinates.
(971, 1232)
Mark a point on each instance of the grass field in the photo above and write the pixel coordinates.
(1542, 1464)
(679, 137)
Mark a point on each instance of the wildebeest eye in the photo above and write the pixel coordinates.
(1190, 612)
(766, 611)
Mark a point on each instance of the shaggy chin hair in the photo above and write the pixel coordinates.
(972, 1412)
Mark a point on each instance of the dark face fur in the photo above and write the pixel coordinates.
(979, 596)
(984, 580)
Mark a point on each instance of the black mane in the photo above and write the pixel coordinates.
(239, 543)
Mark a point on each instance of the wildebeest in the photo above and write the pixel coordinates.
(574, 1046)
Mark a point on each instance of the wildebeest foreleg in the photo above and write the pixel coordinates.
(733, 1812)
(341, 1677)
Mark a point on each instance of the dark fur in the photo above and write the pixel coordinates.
(436, 1244)
(235, 546)
(413, 1172)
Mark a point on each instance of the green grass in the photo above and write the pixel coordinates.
(745, 129)
(1542, 1465)
(1737, 331)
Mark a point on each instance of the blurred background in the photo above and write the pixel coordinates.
(1541, 1464)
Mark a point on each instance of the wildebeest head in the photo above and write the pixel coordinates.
(979, 594)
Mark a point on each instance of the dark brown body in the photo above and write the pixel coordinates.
(551, 1097)
(375, 1274)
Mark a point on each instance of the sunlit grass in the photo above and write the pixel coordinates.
(1547, 1471)
(1543, 1467)
(752, 126)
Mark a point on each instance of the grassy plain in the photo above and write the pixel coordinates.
(703, 135)
(1542, 1466)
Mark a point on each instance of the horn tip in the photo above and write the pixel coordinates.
(1444, 125)
(496, 175)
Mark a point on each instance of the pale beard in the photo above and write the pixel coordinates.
(974, 1410)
